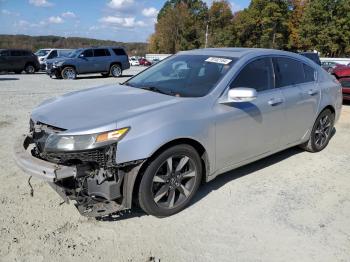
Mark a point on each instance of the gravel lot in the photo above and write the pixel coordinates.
(293, 206)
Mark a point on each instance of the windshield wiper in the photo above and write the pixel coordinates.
(156, 89)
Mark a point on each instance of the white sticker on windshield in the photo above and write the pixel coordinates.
(218, 60)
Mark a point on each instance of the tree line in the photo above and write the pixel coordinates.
(293, 25)
(37, 42)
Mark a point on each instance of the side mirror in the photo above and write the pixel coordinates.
(241, 94)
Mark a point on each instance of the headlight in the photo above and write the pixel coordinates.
(56, 142)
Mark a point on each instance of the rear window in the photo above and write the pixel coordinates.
(101, 52)
(119, 51)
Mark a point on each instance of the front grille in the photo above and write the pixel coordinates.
(97, 156)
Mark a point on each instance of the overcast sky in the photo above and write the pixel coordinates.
(120, 20)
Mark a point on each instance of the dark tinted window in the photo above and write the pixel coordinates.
(288, 72)
(119, 51)
(309, 73)
(257, 74)
(88, 53)
(16, 53)
(101, 52)
(53, 54)
(4, 53)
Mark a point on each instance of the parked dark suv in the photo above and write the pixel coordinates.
(105, 60)
(17, 60)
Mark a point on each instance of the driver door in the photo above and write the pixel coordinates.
(245, 130)
(85, 62)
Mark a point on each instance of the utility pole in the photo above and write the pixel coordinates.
(206, 35)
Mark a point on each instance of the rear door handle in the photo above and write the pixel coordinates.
(275, 101)
(312, 92)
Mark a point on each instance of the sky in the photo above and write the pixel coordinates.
(119, 20)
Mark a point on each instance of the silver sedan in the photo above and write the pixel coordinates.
(155, 138)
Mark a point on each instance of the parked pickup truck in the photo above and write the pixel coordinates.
(105, 60)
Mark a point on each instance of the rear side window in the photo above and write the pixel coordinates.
(101, 52)
(257, 75)
(119, 51)
(88, 53)
(309, 73)
(288, 72)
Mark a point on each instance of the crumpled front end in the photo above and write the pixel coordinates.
(91, 178)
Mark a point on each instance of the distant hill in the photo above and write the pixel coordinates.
(36, 42)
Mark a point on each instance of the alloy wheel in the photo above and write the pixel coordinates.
(174, 181)
(69, 73)
(30, 69)
(322, 131)
(116, 71)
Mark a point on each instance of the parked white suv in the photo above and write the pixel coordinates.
(45, 54)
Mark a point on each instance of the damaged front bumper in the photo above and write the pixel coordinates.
(36, 167)
(94, 195)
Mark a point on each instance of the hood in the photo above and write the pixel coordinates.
(99, 106)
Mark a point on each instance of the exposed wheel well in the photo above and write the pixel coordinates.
(116, 63)
(331, 108)
(195, 144)
(63, 67)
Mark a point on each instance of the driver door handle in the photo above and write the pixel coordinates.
(275, 101)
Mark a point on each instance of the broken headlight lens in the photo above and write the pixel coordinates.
(56, 142)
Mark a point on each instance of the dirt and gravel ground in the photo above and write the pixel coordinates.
(293, 206)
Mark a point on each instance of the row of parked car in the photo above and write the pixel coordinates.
(68, 63)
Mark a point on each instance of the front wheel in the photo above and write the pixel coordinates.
(69, 73)
(170, 181)
(321, 132)
(116, 70)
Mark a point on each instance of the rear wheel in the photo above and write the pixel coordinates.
(321, 132)
(116, 70)
(170, 181)
(68, 73)
(29, 69)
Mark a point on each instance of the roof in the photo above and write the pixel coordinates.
(238, 52)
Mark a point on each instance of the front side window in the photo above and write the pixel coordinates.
(87, 53)
(42, 52)
(4, 53)
(257, 74)
(184, 75)
(288, 72)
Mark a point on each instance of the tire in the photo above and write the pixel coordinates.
(29, 69)
(170, 181)
(321, 132)
(116, 70)
(69, 73)
(105, 74)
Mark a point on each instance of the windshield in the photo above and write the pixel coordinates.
(65, 53)
(42, 52)
(184, 75)
(74, 53)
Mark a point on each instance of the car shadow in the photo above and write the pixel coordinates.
(9, 78)
(217, 183)
(237, 173)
